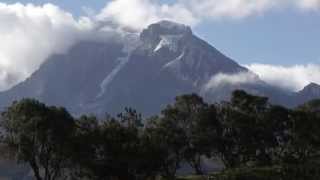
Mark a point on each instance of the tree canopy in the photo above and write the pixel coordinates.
(245, 132)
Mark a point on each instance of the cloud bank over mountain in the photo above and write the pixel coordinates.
(138, 14)
(222, 79)
(29, 33)
(292, 78)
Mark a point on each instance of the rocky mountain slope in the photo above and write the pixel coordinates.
(144, 71)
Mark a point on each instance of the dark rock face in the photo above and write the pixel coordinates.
(70, 79)
(145, 72)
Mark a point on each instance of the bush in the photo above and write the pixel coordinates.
(288, 172)
(273, 173)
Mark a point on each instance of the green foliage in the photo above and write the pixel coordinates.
(192, 125)
(313, 106)
(292, 172)
(169, 140)
(38, 135)
(248, 130)
(268, 173)
(115, 148)
(255, 140)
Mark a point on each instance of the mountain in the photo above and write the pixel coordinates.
(144, 71)
(308, 93)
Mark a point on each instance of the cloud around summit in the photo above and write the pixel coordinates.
(31, 33)
(139, 13)
(293, 78)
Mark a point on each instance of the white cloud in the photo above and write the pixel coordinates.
(287, 77)
(222, 79)
(137, 14)
(309, 4)
(29, 34)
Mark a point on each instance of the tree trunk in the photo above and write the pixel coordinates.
(170, 174)
(198, 170)
(196, 165)
(35, 169)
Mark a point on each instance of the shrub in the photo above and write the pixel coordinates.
(287, 172)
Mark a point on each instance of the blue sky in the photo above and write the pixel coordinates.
(283, 37)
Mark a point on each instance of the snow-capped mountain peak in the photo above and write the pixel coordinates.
(169, 41)
(145, 71)
(164, 34)
(166, 28)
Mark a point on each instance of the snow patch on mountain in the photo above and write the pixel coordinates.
(105, 83)
(170, 41)
(176, 67)
(131, 41)
(175, 64)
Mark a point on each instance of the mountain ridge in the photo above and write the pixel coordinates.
(144, 71)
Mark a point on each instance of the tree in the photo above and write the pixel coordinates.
(204, 138)
(231, 146)
(131, 119)
(85, 143)
(250, 131)
(168, 140)
(311, 106)
(275, 134)
(197, 121)
(304, 144)
(39, 135)
(112, 148)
